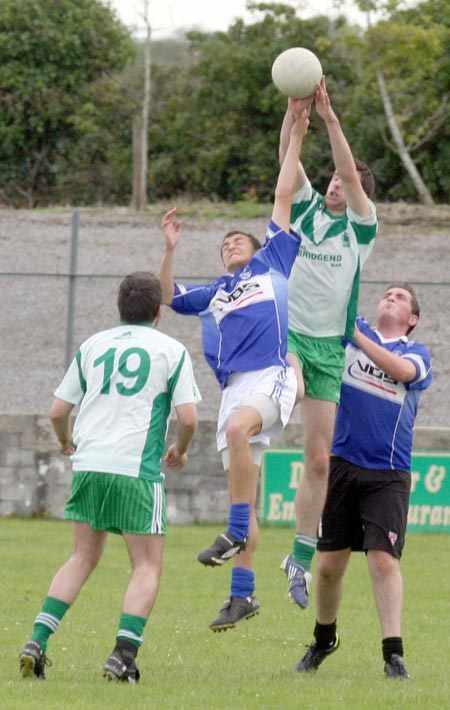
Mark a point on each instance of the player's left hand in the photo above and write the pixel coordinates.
(173, 458)
(322, 102)
(67, 449)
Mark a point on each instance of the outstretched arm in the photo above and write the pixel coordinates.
(287, 184)
(285, 132)
(171, 228)
(344, 161)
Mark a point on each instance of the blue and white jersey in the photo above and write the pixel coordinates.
(375, 418)
(244, 315)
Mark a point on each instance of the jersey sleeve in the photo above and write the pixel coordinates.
(363, 326)
(302, 200)
(73, 386)
(420, 356)
(365, 229)
(182, 385)
(192, 299)
(280, 249)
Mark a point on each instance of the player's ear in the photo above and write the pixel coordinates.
(413, 320)
(158, 316)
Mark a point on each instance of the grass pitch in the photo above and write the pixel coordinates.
(186, 666)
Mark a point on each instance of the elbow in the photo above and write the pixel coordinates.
(284, 196)
(60, 411)
(191, 421)
(188, 417)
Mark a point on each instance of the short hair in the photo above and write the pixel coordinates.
(139, 297)
(254, 241)
(366, 177)
(415, 308)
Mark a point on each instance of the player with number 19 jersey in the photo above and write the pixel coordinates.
(126, 379)
(244, 315)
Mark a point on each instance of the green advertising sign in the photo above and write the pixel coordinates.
(429, 505)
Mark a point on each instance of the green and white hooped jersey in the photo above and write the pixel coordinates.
(324, 281)
(126, 380)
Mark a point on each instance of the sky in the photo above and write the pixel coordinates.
(168, 17)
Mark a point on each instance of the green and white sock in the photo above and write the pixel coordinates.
(48, 620)
(131, 628)
(304, 549)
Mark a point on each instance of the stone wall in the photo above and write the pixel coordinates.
(35, 479)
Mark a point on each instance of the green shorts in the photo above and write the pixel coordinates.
(322, 361)
(117, 504)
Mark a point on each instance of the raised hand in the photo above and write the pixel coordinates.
(323, 103)
(171, 228)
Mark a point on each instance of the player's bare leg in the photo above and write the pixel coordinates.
(242, 483)
(318, 426)
(331, 567)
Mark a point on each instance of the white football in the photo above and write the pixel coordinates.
(297, 72)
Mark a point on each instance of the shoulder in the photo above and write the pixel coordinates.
(413, 347)
(99, 337)
(366, 329)
(369, 220)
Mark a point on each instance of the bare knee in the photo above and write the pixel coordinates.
(319, 465)
(236, 435)
(382, 564)
(328, 572)
(331, 566)
(87, 561)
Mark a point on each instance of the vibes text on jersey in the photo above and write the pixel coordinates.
(244, 294)
(363, 374)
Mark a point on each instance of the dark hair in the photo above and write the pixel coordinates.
(415, 308)
(139, 297)
(367, 179)
(256, 244)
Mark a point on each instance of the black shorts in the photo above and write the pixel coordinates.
(366, 509)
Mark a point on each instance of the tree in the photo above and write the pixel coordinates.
(51, 53)
(141, 123)
(221, 113)
(404, 56)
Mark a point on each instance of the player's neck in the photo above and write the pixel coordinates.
(335, 211)
(391, 331)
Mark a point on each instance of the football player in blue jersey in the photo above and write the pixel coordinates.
(244, 332)
(370, 473)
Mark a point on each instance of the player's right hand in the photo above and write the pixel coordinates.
(171, 228)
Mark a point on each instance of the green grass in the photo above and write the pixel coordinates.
(211, 209)
(201, 209)
(184, 665)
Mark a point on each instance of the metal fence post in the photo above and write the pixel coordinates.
(72, 283)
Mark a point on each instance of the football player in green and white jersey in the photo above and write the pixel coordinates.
(338, 232)
(125, 380)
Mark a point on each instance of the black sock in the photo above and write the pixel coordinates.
(325, 634)
(393, 644)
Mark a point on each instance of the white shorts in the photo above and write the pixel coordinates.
(271, 391)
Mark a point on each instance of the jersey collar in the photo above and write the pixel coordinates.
(403, 338)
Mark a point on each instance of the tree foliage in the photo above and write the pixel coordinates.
(52, 53)
(68, 95)
(224, 140)
(223, 132)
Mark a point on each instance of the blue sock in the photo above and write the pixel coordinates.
(242, 582)
(239, 520)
